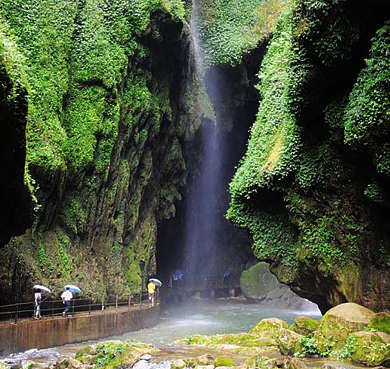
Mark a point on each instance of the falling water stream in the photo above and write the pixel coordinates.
(203, 204)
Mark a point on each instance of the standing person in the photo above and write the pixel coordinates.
(66, 297)
(37, 298)
(151, 289)
(226, 277)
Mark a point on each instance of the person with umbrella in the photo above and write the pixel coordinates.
(37, 298)
(66, 298)
(151, 288)
(153, 283)
(38, 290)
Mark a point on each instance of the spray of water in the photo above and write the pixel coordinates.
(203, 205)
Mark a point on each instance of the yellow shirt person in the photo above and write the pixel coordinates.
(151, 288)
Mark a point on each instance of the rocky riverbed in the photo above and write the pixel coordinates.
(348, 335)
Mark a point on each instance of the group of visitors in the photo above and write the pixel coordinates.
(67, 296)
(66, 300)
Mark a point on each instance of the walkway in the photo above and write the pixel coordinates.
(56, 330)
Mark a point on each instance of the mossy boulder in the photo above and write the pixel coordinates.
(371, 348)
(289, 342)
(178, 364)
(223, 361)
(324, 344)
(258, 283)
(269, 326)
(204, 360)
(342, 320)
(380, 322)
(70, 363)
(85, 354)
(109, 355)
(304, 325)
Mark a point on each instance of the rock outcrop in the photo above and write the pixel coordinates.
(94, 141)
(312, 188)
(259, 284)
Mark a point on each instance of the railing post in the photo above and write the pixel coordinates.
(129, 300)
(52, 309)
(116, 301)
(16, 313)
(89, 306)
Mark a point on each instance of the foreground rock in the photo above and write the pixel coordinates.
(348, 333)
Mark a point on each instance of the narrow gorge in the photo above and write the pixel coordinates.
(102, 115)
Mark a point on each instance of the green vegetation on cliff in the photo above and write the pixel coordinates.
(271, 155)
(300, 189)
(230, 28)
(103, 134)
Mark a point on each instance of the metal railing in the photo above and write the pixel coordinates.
(204, 283)
(12, 313)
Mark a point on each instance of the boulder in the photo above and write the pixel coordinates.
(146, 357)
(289, 342)
(70, 364)
(286, 362)
(342, 320)
(258, 283)
(223, 361)
(371, 348)
(178, 364)
(268, 330)
(304, 325)
(269, 326)
(204, 360)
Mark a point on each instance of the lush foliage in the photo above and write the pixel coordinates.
(231, 28)
(299, 190)
(12, 61)
(89, 74)
(368, 111)
(114, 354)
(271, 156)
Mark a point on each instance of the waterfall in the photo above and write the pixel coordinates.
(205, 208)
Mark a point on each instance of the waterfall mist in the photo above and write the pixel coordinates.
(199, 241)
(205, 209)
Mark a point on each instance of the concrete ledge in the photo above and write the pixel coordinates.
(51, 332)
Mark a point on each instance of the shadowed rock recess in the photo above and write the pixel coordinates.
(98, 119)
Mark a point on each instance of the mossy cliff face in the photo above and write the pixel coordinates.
(97, 116)
(312, 188)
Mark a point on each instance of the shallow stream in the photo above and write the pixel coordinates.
(179, 321)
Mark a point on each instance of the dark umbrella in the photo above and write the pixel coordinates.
(72, 288)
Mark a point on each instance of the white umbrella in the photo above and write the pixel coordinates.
(156, 282)
(42, 288)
